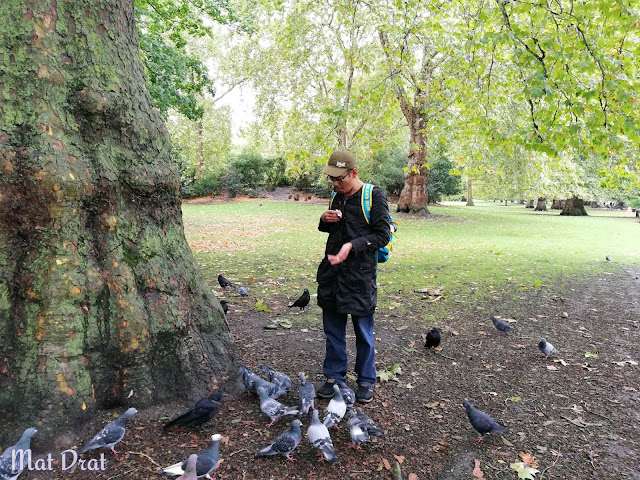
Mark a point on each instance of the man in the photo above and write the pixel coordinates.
(347, 274)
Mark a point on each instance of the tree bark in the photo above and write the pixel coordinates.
(100, 295)
(529, 203)
(199, 151)
(574, 208)
(469, 194)
(541, 206)
(558, 204)
(414, 197)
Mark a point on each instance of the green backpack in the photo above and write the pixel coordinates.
(383, 252)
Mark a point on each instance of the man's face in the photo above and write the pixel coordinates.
(343, 183)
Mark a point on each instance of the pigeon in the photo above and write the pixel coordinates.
(190, 471)
(358, 434)
(207, 461)
(111, 434)
(348, 395)
(225, 306)
(204, 410)
(285, 443)
(608, 258)
(501, 324)
(433, 338)
(368, 425)
(336, 409)
(319, 437)
(482, 422)
(10, 467)
(243, 291)
(253, 381)
(224, 283)
(272, 408)
(546, 348)
(303, 301)
(307, 394)
(278, 378)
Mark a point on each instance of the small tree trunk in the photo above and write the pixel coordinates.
(574, 208)
(200, 151)
(541, 205)
(529, 203)
(558, 204)
(469, 194)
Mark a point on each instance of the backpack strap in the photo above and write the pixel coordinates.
(333, 194)
(367, 188)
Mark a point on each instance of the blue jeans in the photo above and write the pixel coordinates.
(335, 360)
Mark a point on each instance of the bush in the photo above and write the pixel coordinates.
(276, 172)
(387, 170)
(233, 182)
(251, 167)
(258, 192)
(441, 182)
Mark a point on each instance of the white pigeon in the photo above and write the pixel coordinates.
(336, 408)
(319, 437)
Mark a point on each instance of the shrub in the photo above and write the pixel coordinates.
(233, 182)
(441, 182)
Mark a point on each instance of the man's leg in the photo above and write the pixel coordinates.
(335, 360)
(365, 356)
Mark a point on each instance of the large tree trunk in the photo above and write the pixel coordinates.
(469, 194)
(100, 295)
(414, 197)
(541, 206)
(574, 208)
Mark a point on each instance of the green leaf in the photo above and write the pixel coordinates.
(515, 399)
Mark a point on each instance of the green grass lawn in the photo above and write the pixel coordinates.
(465, 251)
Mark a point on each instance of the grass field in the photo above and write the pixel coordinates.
(274, 247)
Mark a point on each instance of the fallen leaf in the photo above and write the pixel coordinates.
(551, 367)
(476, 470)
(387, 465)
(413, 476)
(399, 458)
(402, 327)
(529, 459)
(524, 471)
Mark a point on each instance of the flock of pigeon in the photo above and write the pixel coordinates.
(300, 303)
(362, 428)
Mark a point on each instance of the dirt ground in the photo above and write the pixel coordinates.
(577, 418)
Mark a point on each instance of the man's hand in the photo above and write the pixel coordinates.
(331, 216)
(342, 254)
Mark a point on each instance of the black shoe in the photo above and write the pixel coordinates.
(364, 394)
(326, 390)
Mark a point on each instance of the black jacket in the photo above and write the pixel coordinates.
(350, 287)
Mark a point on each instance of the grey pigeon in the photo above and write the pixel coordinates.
(546, 348)
(348, 395)
(303, 301)
(482, 422)
(243, 291)
(501, 324)
(224, 283)
(207, 461)
(358, 434)
(279, 378)
(368, 425)
(433, 338)
(10, 467)
(252, 382)
(306, 394)
(111, 434)
(190, 471)
(225, 306)
(319, 437)
(273, 408)
(285, 443)
(336, 409)
(204, 410)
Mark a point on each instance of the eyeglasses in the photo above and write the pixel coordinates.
(339, 179)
